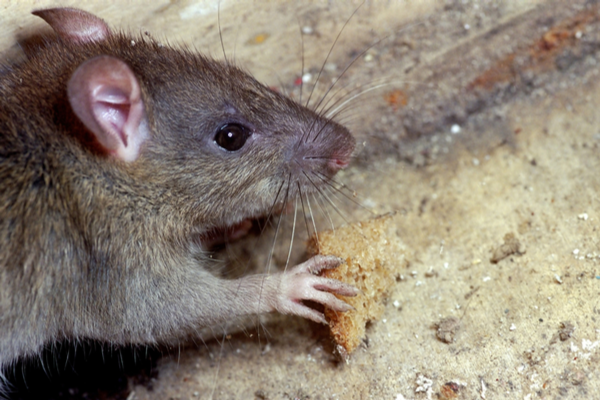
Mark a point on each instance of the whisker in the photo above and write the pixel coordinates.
(331, 180)
(340, 105)
(284, 90)
(332, 112)
(359, 56)
(326, 182)
(270, 257)
(287, 262)
(323, 193)
(319, 202)
(221, 32)
(343, 72)
(342, 214)
(235, 43)
(303, 209)
(312, 217)
(220, 357)
(268, 269)
(269, 261)
(336, 208)
(302, 59)
(269, 215)
(338, 96)
(329, 53)
(280, 85)
(323, 68)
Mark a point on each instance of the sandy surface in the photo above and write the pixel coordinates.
(486, 129)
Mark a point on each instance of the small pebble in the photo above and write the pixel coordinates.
(330, 67)
(307, 30)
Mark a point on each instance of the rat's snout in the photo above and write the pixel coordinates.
(324, 154)
(341, 151)
(339, 160)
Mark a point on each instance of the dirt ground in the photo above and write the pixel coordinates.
(483, 139)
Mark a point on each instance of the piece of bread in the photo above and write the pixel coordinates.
(368, 252)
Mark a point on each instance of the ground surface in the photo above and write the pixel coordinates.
(487, 128)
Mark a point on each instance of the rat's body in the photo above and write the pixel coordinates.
(118, 154)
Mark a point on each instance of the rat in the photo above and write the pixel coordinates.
(118, 158)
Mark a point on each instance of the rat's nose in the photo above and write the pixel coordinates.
(338, 161)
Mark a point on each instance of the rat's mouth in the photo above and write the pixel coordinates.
(227, 234)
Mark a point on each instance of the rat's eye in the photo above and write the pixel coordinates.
(232, 137)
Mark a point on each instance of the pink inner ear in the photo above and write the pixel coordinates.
(113, 108)
(105, 95)
(75, 25)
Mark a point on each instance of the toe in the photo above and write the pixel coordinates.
(304, 311)
(318, 263)
(337, 287)
(326, 298)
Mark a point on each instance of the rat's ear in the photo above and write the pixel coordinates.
(106, 96)
(75, 25)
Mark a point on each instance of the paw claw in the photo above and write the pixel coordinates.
(301, 284)
(318, 263)
(337, 287)
(309, 313)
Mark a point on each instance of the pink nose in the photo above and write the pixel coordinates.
(337, 162)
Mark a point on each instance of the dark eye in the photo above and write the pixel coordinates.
(232, 137)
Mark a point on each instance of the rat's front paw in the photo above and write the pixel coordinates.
(300, 283)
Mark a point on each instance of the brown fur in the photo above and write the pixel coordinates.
(91, 247)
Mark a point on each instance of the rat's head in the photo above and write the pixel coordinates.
(243, 143)
(226, 147)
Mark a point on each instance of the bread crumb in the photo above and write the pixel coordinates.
(371, 258)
